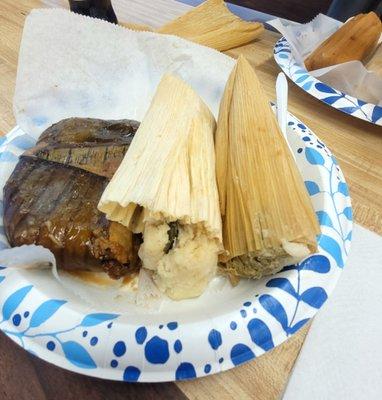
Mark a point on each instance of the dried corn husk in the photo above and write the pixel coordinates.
(168, 176)
(169, 168)
(137, 27)
(355, 40)
(212, 24)
(268, 219)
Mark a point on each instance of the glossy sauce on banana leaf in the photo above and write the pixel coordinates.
(52, 195)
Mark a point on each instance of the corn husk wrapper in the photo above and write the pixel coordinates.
(266, 211)
(212, 24)
(166, 177)
(169, 168)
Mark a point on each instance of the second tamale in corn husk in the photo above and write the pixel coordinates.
(268, 219)
(212, 24)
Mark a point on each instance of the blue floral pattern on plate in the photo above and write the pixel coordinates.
(202, 338)
(335, 98)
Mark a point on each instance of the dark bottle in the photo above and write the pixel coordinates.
(101, 9)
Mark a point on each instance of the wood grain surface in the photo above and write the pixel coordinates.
(356, 144)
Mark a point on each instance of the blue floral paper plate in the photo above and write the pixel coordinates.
(321, 91)
(191, 338)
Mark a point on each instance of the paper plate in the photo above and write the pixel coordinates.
(192, 338)
(321, 91)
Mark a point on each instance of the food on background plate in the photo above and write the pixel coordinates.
(101, 9)
(212, 24)
(268, 219)
(355, 40)
(165, 188)
(52, 195)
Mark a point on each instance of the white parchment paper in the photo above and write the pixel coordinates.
(71, 65)
(351, 77)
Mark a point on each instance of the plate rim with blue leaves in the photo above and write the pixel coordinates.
(50, 324)
(334, 98)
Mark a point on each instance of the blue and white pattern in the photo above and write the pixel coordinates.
(329, 95)
(192, 338)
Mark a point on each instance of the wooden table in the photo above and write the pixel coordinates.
(357, 145)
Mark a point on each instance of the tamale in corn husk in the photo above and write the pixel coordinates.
(212, 24)
(166, 188)
(268, 219)
(355, 40)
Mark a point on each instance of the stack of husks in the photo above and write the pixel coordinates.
(208, 197)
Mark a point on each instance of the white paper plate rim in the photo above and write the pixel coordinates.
(260, 315)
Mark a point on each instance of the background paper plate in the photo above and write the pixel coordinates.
(321, 91)
(191, 338)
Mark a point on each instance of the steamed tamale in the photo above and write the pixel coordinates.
(355, 40)
(52, 195)
(166, 189)
(212, 24)
(268, 219)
